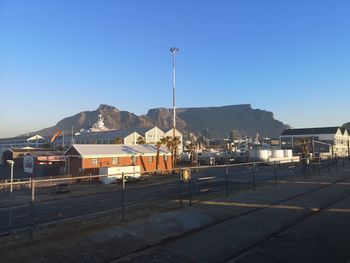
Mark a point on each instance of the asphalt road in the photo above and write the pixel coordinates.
(203, 181)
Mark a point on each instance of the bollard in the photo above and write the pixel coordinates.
(319, 166)
(253, 171)
(275, 166)
(123, 197)
(226, 171)
(308, 167)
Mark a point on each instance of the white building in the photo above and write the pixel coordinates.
(332, 141)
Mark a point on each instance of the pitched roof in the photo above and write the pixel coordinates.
(310, 131)
(115, 150)
(105, 135)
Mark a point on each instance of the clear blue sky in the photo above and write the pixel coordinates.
(58, 58)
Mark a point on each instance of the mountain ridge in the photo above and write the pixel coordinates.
(219, 121)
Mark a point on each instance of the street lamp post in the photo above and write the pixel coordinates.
(173, 50)
(10, 162)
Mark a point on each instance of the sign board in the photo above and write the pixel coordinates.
(186, 174)
(28, 163)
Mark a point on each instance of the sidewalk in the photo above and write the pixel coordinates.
(242, 227)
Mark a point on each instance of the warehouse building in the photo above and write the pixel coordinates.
(91, 159)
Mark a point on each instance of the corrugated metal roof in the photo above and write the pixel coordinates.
(111, 150)
(310, 131)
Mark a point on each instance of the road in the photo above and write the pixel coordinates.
(203, 181)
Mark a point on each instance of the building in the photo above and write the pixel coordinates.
(44, 163)
(129, 137)
(326, 141)
(89, 159)
(35, 141)
(151, 135)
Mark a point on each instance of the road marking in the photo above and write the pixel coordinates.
(205, 178)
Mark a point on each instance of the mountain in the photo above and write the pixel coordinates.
(218, 121)
(346, 125)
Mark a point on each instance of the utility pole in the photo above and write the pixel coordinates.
(173, 50)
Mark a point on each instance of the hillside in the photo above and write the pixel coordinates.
(219, 121)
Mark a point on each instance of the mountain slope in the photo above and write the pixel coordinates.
(219, 121)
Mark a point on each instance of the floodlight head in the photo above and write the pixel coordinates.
(174, 49)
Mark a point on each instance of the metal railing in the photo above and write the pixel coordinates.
(39, 201)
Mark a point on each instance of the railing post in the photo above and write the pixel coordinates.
(226, 181)
(319, 166)
(275, 168)
(253, 171)
(33, 189)
(123, 197)
(180, 185)
(190, 188)
(328, 163)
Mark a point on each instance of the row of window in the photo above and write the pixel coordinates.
(115, 160)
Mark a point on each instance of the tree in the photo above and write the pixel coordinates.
(172, 144)
(192, 148)
(140, 140)
(158, 145)
(118, 141)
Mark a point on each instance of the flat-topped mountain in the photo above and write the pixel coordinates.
(219, 121)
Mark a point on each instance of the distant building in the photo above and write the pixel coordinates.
(35, 141)
(331, 141)
(89, 159)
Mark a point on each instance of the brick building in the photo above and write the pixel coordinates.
(88, 159)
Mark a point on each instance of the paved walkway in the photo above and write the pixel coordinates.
(303, 221)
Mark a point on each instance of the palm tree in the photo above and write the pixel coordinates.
(141, 140)
(118, 141)
(158, 144)
(192, 148)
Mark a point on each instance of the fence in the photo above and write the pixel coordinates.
(36, 202)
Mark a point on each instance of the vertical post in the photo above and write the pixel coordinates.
(253, 171)
(308, 166)
(11, 187)
(123, 197)
(328, 164)
(33, 190)
(293, 169)
(180, 184)
(226, 181)
(31, 217)
(275, 168)
(319, 166)
(190, 188)
(173, 50)
(336, 163)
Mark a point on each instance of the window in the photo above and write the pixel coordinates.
(150, 159)
(94, 161)
(115, 161)
(133, 160)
